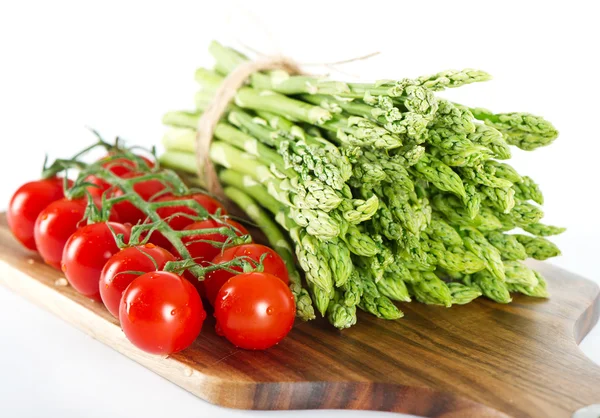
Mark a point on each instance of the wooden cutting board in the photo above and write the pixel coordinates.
(479, 360)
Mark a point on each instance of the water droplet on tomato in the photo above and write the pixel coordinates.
(149, 245)
(270, 311)
(44, 216)
(63, 267)
(173, 312)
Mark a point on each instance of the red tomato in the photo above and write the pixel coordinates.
(97, 187)
(55, 224)
(86, 253)
(146, 189)
(119, 167)
(203, 252)
(179, 222)
(255, 310)
(272, 263)
(198, 284)
(161, 313)
(27, 203)
(114, 280)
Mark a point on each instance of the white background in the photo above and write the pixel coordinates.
(118, 66)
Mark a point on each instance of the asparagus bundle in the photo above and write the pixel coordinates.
(386, 192)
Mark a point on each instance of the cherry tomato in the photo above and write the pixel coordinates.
(56, 223)
(204, 251)
(198, 284)
(86, 253)
(161, 313)
(119, 167)
(255, 310)
(148, 190)
(179, 222)
(114, 280)
(97, 186)
(123, 165)
(27, 203)
(272, 263)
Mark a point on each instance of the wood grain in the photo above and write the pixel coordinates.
(478, 360)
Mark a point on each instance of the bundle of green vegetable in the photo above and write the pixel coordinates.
(385, 191)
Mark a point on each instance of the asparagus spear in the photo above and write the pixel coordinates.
(440, 175)
(537, 247)
(542, 230)
(428, 288)
(491, 287)
(453, 78)
(538, 291)
(518, 273)
(509, 246)
(527, 189)
(463, 294)
(523, 130)
(339, 314)
(394, 288)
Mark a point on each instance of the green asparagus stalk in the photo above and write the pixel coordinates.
(457, 215)
(509, 246)
(476, 242)
(491, 287)
(504, 171)
(492, 139)
(339, 314)
(440, 175)
(269, 101)
(518, 273)
(375, 303)
(500, 199)
(321, 298)
(428, 288)
(360, 243)
(456, 259)
(484, 176)
(282, 82)
(538, 291)
(394, 288)
(542, 230)
(441, 231)
(527, 189)
(537, 247)
(523, 130)
(353, 289)
(463, 294)
(453, 78)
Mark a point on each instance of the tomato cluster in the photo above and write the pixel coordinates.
(160, 311)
